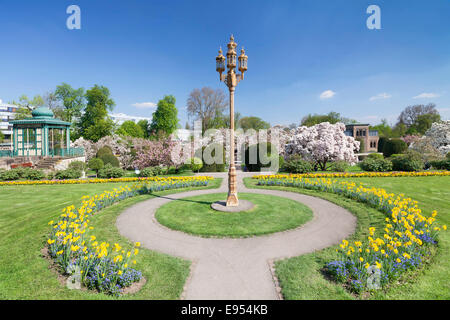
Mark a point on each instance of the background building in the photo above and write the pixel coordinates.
(362, 132)
(7, 114)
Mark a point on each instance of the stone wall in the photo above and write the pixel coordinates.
(6, 162)
(64, 163)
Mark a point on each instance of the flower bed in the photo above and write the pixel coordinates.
(99, 265)
(402, 245)
(354, 175)
(129, 179)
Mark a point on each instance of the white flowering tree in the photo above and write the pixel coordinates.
(322, 143)
(120, 146)
(437, 137)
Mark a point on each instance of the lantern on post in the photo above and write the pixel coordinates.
(220, 62)
(242, 62)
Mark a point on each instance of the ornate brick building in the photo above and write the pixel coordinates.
(363, 133)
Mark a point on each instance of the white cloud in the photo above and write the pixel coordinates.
(426, 95)
(144, 105)
(121, 117)
(328, 94)
(1, 101)
(379, 96)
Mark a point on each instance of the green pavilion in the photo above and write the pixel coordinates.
(41, 135)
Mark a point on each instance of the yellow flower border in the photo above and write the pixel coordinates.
(88, 181)
(355, 175)
(396, 243)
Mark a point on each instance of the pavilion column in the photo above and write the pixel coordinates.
(45, 139)
(68, 138)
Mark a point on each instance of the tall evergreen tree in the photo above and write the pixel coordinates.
(95, 122)
(165, 121)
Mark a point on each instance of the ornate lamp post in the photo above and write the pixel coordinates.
(231, 79)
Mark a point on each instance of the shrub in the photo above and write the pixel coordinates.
(152, 171)
(195, 164)
(295, 164)
(407, 162)
(147, 172)
(108, 171)
(33, 174)
(172, 170)
(68, 174)
(448, 155)
(96, 164)
(111, 159)
(441, 164)
(21, 173)
(381, 143)
(394, 146)
(281, 161)
(377, 165)
(160, 170)
(9, 175)
(339, 166)
(264, 162)
(78, 165)
(104, 151)
(375, 156)
(211, 150)
(50, 176)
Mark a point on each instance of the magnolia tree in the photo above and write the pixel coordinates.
(409, 139)
(437, 137)
(322, 143)
(121, 147)
(275, 135)
(165, 152)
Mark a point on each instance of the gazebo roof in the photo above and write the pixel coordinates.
(41, 115)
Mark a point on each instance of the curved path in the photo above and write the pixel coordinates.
(236, 268)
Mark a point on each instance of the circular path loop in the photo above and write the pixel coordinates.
(229, 269)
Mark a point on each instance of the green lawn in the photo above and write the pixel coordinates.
(301, 278)
(26, 210)
(24, 214)
(271, 214)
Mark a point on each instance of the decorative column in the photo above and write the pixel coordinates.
(231, 79)
(232, 199)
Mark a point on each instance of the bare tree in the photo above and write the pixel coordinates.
(206, 104)
(411, 113)
(52, 101)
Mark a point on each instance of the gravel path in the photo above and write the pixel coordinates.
(236, 268)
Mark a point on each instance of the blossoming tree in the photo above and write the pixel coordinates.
(437, 137)
(165, 152)
(322, 143)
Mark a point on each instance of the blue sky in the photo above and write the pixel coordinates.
(298, 50)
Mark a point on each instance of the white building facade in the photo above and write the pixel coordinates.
(7, 114)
